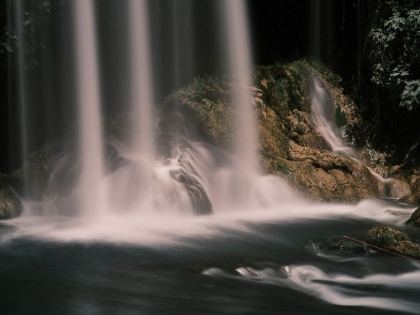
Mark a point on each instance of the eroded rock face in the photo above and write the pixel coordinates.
(10, 205)
(322, 175)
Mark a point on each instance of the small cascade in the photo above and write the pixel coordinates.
(322, 117)
(324, 120)
(89, 193)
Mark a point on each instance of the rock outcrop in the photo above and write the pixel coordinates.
(322, 175)
(289, 144)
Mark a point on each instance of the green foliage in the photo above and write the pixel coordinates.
(202, 87)
(34, 15)
(395, 50)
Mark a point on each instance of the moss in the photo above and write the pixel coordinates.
(392, 240)
(284, 168)
(340, 117)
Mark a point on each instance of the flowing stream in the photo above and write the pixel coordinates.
(136, 245)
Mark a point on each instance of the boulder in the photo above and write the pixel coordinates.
(10, 204)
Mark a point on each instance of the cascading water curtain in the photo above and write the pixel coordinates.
(239, 55)
(89, 105)
(141, 80)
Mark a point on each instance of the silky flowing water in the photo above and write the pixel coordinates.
(129, 241)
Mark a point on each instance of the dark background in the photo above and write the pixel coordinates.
(281, 31)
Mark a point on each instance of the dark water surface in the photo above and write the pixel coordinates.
(233, 273)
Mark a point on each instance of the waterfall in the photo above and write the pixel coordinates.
(322, 117)
(239, 56)
(22, 97)
(324, 120)
(89, 105)
(141, 86)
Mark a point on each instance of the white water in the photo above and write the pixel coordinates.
(336, 289)
(141, 80)
(89, 194)
(322, 116)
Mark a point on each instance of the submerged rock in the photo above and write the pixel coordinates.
(340, 245)
(199, 199)
(10, 204)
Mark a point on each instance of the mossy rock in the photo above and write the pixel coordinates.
(392, 240)
(382, 237)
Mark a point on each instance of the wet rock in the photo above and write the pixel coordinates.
(342, 246)
(414, 197)
(199, 199)
(414, 220)
(392, 240)
(382, 237)
(10, 204)
(324, 176)
(412, 200)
